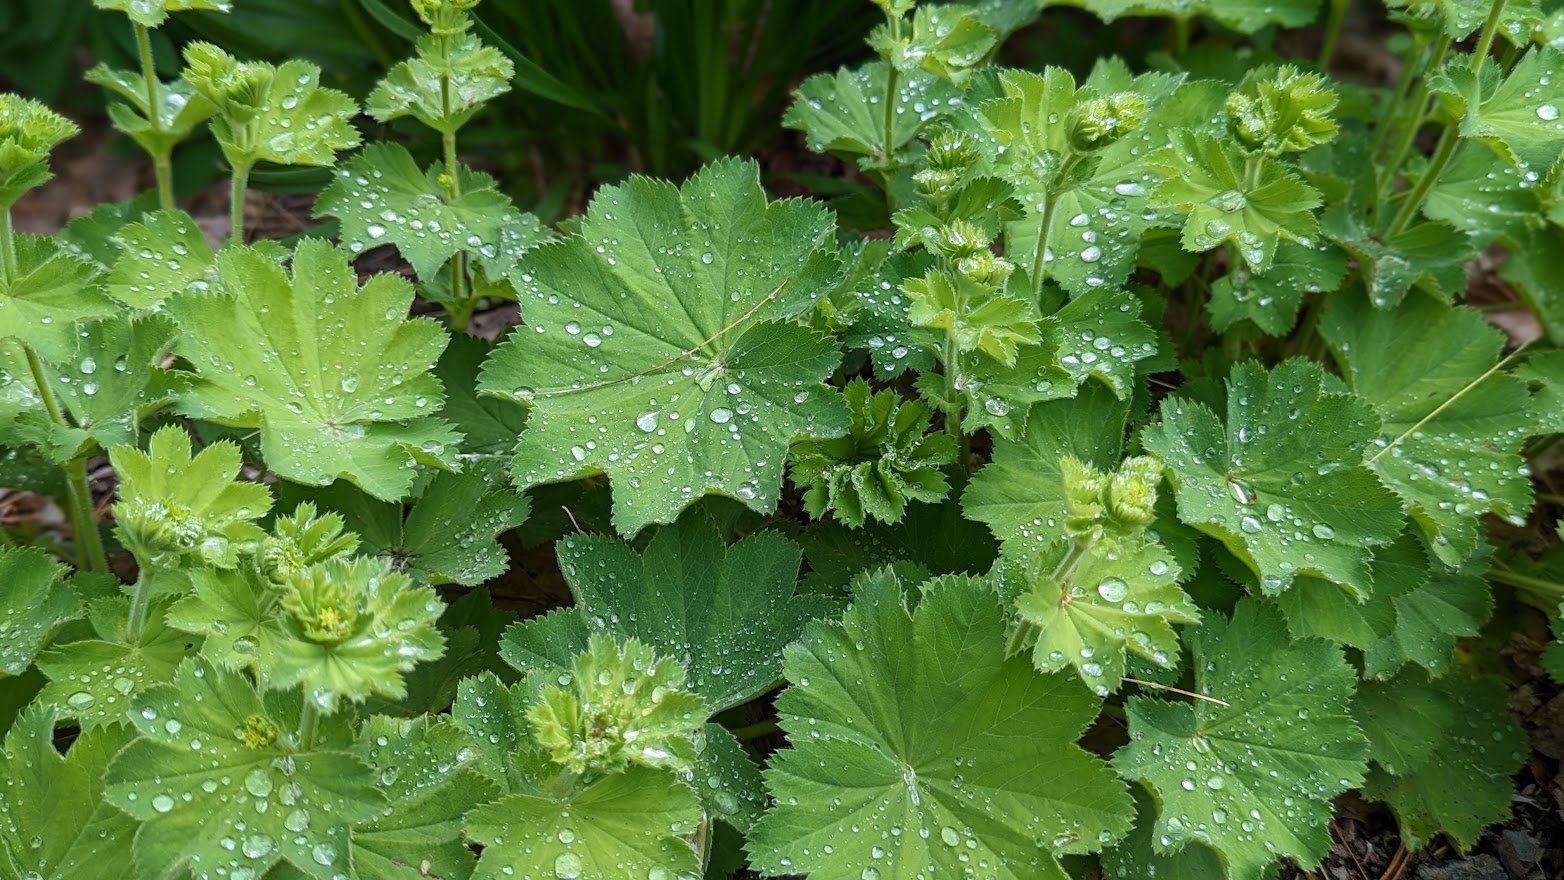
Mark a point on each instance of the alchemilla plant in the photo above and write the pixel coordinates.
(1122, 479)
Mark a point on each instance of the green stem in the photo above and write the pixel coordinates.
(140, 601)
(1333, 23)
(453, 191)
(1410, 66)
(240, 183)
(1420, 106)
(756, 730)
(78, 494)
(8, 268)
(1045, 226)
(162, 165)
(892, 77)
(952, 368)
(309, 722)
(1063, 573)
(1443, 153)
(1534, 585)
(1485, 39)
(1181, 29)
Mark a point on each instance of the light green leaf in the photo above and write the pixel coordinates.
(29, 131)
(626, 825)
(1452, 423)
(220, 786)
(1246, 16)
(494, 717)
(271, 113)
(54, 823)
(175, 506)
(887, 458)
(34, 602)
(725, 612)
(905, 761)
(1545, 369)
(421, 765)
(152, 13)
(656, 350)
(444, 85)
(1020, 493)
(51, 291)
(162, 255)
(1465, 785)
(1251, 776)
(95, 681)
(1205, 178)
(157, 127)
(380, 197)
(333, 375)
(844, 112)
(1083, 616)
(1281, 483)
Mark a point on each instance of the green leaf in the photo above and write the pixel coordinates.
(980, 318)
(1205, 178)
(844, 112)
(1271, 299)
(1099, 335)
(905, 761)
(162, 255)
(54, 823)
(158, 128)
(1083, 615)
(489, 426)
(449, 534)
(729, 784)
(1481, 194)
(353, 629)
(220, 786)
(335, 378)
(1404, 719)
(1452, 423)
(421, 765)
(1545, 369)
(1020, 493)
(175, 506)
(1281, 484)
(494, 718)
(34, 602)
(51, 291)
(1520, 116)
(1246, 16)
(626, 825)
(271, 113)
(1465, 785)
(1448, 604)
(1137, 856)
(725, 612)
(887, 458)
(444, 85)
(1316, 608)
(1429, 256)
(152, 13)
(1244, 776)
(382, 198)
(658, 352)
(95, 681)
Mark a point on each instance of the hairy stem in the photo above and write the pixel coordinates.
(462, 310)
(8, 268)
(1419, 112)
(239, 185)
(78, 494)
(162, 162)
(1410, 65)
(1045, 226)
(952, 368)
(892, 77)
(309, 722)
(140, 601)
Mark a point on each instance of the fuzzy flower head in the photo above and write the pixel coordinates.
(622, 705)
(1101, 121)
(1101, 505)
(1281, 110)
(303, 540)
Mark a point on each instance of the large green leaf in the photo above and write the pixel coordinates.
(51, 290)
(725, 612)
(162, 255)
(54, 823)
(1251, 776)
(1520, 116)
(95, 681)
(1452, 424)
(220, 786)
(844, 112)
(657, 348)
(1281, 483)
(335, 377)
(909, 757)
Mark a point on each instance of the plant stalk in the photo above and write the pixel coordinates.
(162, 162)
(1420, 106)
(1409, 70)
(309, 722)
(1045, 226)
(952, 367)
(453, 191)
(1333, 24)
(239, 185)
(140, 602)
(78, 494)
(8, 267)
(892, 77)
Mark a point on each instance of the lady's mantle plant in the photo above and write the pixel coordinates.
(1120, 500)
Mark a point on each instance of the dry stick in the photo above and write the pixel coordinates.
(1453, 398)
(1168, 687)
(1336, 829)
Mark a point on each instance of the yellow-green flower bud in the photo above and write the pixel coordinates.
(259, 732)
(1132, 492)
(445, 17)
(1281, 111)
(1104, 120)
